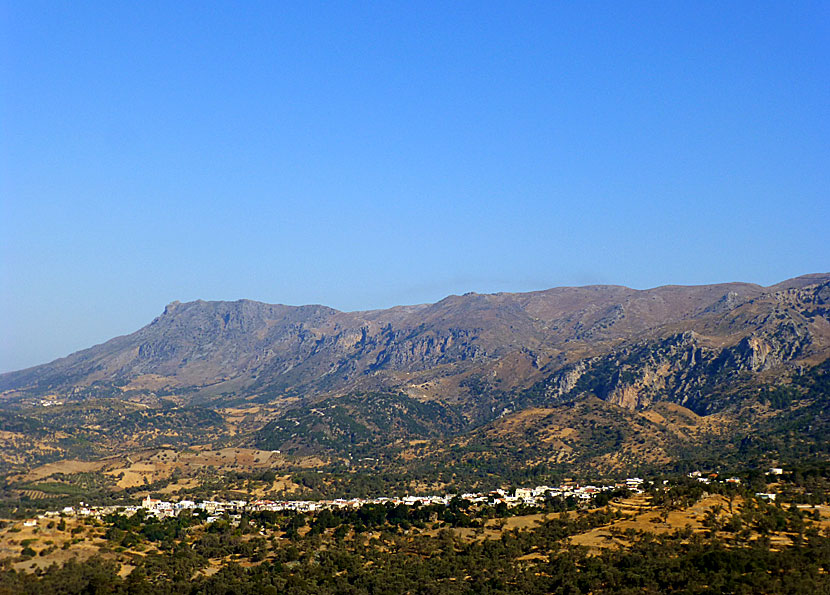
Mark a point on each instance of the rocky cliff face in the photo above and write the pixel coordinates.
(689, 368)
(626, 346)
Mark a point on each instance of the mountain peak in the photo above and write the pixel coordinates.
(174, 305)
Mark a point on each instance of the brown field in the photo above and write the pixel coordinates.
(151, 466)
(646, 518)
(45, 537)
(66, 467)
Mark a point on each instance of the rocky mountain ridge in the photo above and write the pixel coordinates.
(557, 336)
(471, 388)
(689, 367)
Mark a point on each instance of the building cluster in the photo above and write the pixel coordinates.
(49, 403)
(215, 509)
(707, 478)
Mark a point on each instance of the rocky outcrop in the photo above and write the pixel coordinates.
(682, 368)
(729, 301)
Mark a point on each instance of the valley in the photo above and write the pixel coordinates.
(477, 394)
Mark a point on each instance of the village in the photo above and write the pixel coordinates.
(521, 496)
(215, 509)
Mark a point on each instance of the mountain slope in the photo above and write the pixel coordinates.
(247, 349)
(474, 388)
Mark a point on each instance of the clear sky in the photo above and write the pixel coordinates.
(367, 155)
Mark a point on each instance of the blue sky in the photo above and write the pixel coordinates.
(366, 155)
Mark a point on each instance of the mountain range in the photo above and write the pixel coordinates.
(252, 349)
(461, 368)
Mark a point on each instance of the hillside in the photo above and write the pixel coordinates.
(476, 389)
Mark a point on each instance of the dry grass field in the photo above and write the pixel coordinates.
(151, 466)
(77, 541)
